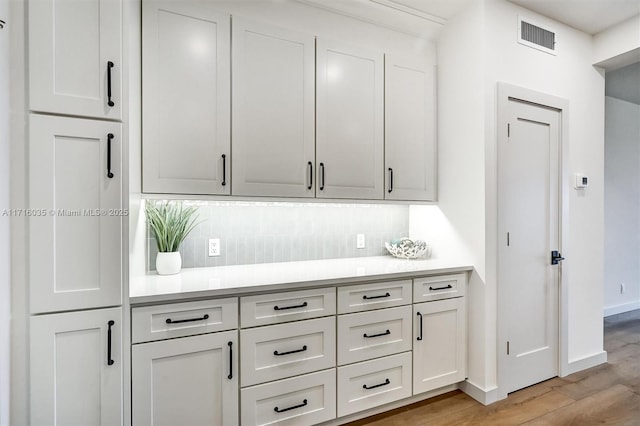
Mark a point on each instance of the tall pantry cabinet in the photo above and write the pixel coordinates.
(76, 209)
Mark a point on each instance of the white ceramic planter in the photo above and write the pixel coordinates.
(168, 263)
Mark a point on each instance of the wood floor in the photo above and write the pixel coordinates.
(606, 394)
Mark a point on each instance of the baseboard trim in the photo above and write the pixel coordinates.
(483, 396)
(619, 309)
(584, 363)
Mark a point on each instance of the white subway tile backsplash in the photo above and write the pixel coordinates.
(261, 232)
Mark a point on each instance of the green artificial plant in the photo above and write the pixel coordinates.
(170, 223)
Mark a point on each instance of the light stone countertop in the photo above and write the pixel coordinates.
(196, 283)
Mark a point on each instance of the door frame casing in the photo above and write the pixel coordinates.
(506, 92)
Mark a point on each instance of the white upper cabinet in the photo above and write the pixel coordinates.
(186, 98)
(76, 368)
(273, 111)
(349, 132)
(75, 193)
(75, 59)
(410, 131)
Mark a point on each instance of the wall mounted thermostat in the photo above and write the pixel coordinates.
(582, 181)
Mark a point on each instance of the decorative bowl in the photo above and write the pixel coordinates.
(405, 248)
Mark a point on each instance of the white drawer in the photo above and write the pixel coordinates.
(370, 384)
(439, 287)
(303, 400)
(183, 319)
(357, 298)
(374, 334)
(266, 309)
(278, 351)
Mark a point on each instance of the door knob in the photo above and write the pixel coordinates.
(556, 257)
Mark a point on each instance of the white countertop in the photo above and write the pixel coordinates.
(234, 280)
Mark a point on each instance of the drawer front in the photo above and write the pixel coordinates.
(303, 400)
(357, 298)
(267, 309)
(370, 384)
(439, 287)
(183, 319)
(373, 334)
(285, 350)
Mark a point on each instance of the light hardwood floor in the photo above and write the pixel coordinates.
(606, 394)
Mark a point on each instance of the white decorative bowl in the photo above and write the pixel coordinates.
(407, 248)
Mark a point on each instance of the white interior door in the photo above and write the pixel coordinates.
(528, 226)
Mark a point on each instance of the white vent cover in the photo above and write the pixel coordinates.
(533, 35)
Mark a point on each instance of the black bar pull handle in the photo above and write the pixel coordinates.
(390, 180)
(282, 410)
(109, 101)
(440, 288)
(365, 297)
(170, 321)
(278, 308)
(386, 382)
(321, 176)
(230, 376)
(224, 170)
(386, 333)
(420, 336)
(310, 167)
(302, 349)
(110, 361)
(109, 140)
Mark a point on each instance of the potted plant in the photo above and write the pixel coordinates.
(170, 223)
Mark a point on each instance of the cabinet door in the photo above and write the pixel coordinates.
(186, 381)
(439, 345)
(273, 111)
(349, 144)
(72, 45)
(410, 131)
(76, 368)
(75, 238)
(186, 98)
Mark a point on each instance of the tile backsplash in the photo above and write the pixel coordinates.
(266, 232)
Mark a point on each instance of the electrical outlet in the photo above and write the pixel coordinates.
(622, 289)
(214, 247)
(360, 241)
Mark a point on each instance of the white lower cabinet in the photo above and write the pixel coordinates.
(302, 400)
(76, 368)
(439, 346)
(370, 384)
(186, 381)
(278, 351)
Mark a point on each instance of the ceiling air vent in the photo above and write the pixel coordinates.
(535, 36)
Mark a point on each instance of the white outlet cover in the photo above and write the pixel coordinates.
(214, 247)
(360, 242)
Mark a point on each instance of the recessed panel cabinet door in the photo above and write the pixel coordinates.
(273, 111)
(439, 344)
(75, 59)
(186, 98)
(349, 132)
(186, 381)
(410, 131)
(76, 368)
(75, 197)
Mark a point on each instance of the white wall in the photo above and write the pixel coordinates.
(5, 274)
(622, 206)
(569, 75)
(619, 45)
(475, 51)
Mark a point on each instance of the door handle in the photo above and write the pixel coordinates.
(224, 170)
(230, 376)
(556, 257)
(110, 324)
(109, 66)
(109, 139)
(420, 336)
(321, 176)
(390, 180)
(310, 167)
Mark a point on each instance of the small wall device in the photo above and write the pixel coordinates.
(582, 181)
